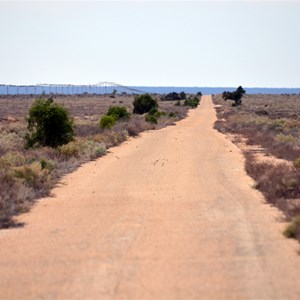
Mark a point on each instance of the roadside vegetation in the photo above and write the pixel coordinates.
(269, 125)
(42, 139)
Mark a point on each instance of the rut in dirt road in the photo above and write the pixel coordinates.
(169, 215)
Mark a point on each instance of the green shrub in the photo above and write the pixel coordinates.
(49, 124)
(293, 229)
(118, 112)
(107, 122)
(151, 119)
(143, 104)
(182, 95)
(155, 112)
(172, 115)
(46, 164)
(171, 97)
(194, 102)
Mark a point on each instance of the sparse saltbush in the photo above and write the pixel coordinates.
(136, 125)
(278, 134)
(84, 148)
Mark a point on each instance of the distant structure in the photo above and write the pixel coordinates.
(101, 88)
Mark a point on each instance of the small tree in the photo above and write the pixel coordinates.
(236, 96)
(182, 95)
(49, 124)
(172, 96)
(143, 104)
(113, 94)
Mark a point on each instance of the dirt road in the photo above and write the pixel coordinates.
(170, 215)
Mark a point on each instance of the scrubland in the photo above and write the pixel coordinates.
(26, 175)
(267, 128)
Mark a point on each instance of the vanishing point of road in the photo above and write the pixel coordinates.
(168, 215)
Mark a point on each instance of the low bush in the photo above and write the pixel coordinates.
(118, 112)
(173, 96)
(15, 198)
(151, 119)
(82, 148)
(293, 229)
(275, 181)
(107, 122)
(136, 125)
(182, 95)
(192, 102)
(296, 163)
(172, 115)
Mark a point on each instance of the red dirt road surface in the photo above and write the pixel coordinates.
(169, 215)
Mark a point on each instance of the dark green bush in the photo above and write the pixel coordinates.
(143, 104)
(156, 113)
(235, 96)
(49, 124)
(172, 114)
(118, 112)
(151, 119)
(193, 102)
(172, 97)
(182, 95)
(107, 122)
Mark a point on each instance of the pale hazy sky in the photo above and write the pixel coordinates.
(152, 43)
